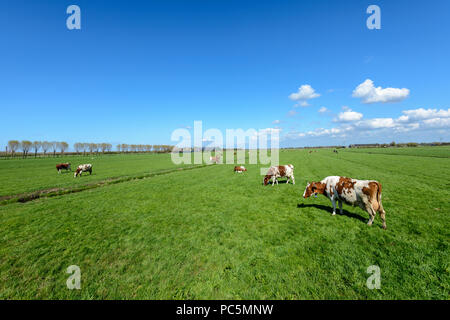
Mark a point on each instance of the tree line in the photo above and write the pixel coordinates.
(61, 147)
(26, 147)
(144, 148)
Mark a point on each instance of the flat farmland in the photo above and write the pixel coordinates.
(32, 174)
(208, 233)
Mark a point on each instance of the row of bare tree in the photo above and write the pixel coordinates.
(26, 146)
(92, 147)
(143, 148)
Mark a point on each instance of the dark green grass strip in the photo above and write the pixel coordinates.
(22, 198)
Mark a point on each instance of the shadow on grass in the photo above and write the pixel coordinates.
(279, 181)
(330, 210)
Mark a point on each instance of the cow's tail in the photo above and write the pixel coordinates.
(380, 205)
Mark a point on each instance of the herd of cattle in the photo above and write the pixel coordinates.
(80, 169)
(363, 193)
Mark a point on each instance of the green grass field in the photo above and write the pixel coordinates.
(36, 174)
(208, 233)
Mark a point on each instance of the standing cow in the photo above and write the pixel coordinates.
(83, 168)
(63, 166)
(276, 172)
(364, 193)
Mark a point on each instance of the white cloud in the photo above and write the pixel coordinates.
(418, 122)
(304, 104)
(368, 93)
(437, 123)
(376, 123)
(304, 93)
(323, 110)
(276, 122)
(348, 115)
(267, 131)
(421, 113)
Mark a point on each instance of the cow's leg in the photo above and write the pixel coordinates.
(273, 180)
(383, 217)
(293, 179)
(371, 213)
(333, 202)
(382, 213)
(340, 207)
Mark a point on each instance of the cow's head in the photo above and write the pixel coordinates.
(266, 180)
(77, 172)
(313, 188)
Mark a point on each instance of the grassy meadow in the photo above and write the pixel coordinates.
(208, 233)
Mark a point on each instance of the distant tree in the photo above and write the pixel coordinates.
(105, 147)
(85, 147)
(54, 147)
(119, 147)
(125, 147)
(92, 147)
(36, 146)
(25, 145)
(78, 146)
(45, 146)
(63, 146)
(13, 145)
(392, 144)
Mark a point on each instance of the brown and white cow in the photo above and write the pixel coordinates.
(363, 193)
(83, 168)
(276, 172)
(63, 166)
(239, 169)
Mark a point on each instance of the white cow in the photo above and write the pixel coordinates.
(83, 168)
(276, 172)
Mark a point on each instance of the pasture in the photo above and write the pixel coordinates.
(208, 233)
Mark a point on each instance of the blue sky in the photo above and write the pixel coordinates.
(138, 70)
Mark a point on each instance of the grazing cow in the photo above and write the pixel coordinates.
(63, 166)
(335, 151)
(276, 172)
(239, 169)
(363, 193)
(215, 159)
(83, 168)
